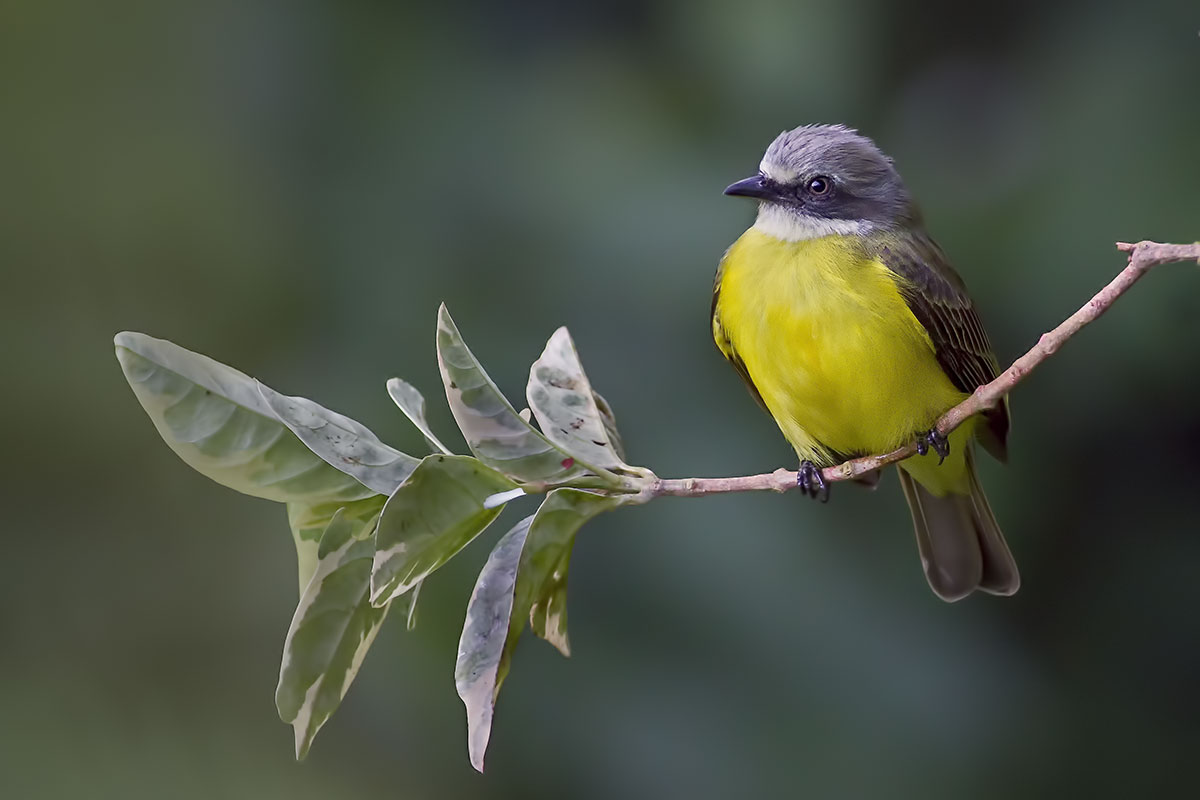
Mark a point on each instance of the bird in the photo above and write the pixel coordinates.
(849, 326)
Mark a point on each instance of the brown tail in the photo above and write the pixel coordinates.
(961, 546)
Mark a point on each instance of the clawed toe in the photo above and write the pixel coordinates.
(812, 482)
(934, 440)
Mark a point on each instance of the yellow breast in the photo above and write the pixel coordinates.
(828, 341)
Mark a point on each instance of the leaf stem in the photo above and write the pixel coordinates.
(622, 486)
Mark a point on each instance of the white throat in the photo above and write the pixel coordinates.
(789, 226)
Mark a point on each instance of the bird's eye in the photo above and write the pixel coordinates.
(819, 185)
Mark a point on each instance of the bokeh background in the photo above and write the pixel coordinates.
(293, 187)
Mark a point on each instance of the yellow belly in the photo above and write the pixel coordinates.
(827, 339)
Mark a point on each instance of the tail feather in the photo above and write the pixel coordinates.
(1000, 574)
(961, 546)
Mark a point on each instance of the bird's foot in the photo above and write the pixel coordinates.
(934, 440)
(812, 482)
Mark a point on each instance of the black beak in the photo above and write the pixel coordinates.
(757, 187)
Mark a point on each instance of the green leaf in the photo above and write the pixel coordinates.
(412, 403)
(410, 599)
(341, 442)
(433, 515)
(525, 576)
(562, 399)
(214, 418)
(308, 522)
(332, 629)
(495, 432)
(547, 557)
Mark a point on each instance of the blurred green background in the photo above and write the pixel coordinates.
(293, 187)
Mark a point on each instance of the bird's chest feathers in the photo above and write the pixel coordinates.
(827, 339)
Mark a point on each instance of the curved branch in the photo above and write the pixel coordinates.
(1142, 256)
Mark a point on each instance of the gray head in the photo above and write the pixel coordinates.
(822, 179)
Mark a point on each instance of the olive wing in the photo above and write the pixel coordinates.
(938, 298)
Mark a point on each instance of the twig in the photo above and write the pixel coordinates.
(1142, 256)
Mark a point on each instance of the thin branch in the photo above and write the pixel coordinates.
(1142, 256)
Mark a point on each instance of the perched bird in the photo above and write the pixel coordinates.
(853, 331)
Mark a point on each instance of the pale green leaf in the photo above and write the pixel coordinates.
(610, 424)
(565, 406)
(341, 442)
(485, 630)
(410, 599)
(525, 576)
(495, 432)
(412, 403)
(306, 553)
(547, 557)
(433, 515)
(214, 418)
(332, 629)
(308, 522)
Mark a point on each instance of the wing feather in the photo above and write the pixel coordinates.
(938, 298)
(726, 346)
